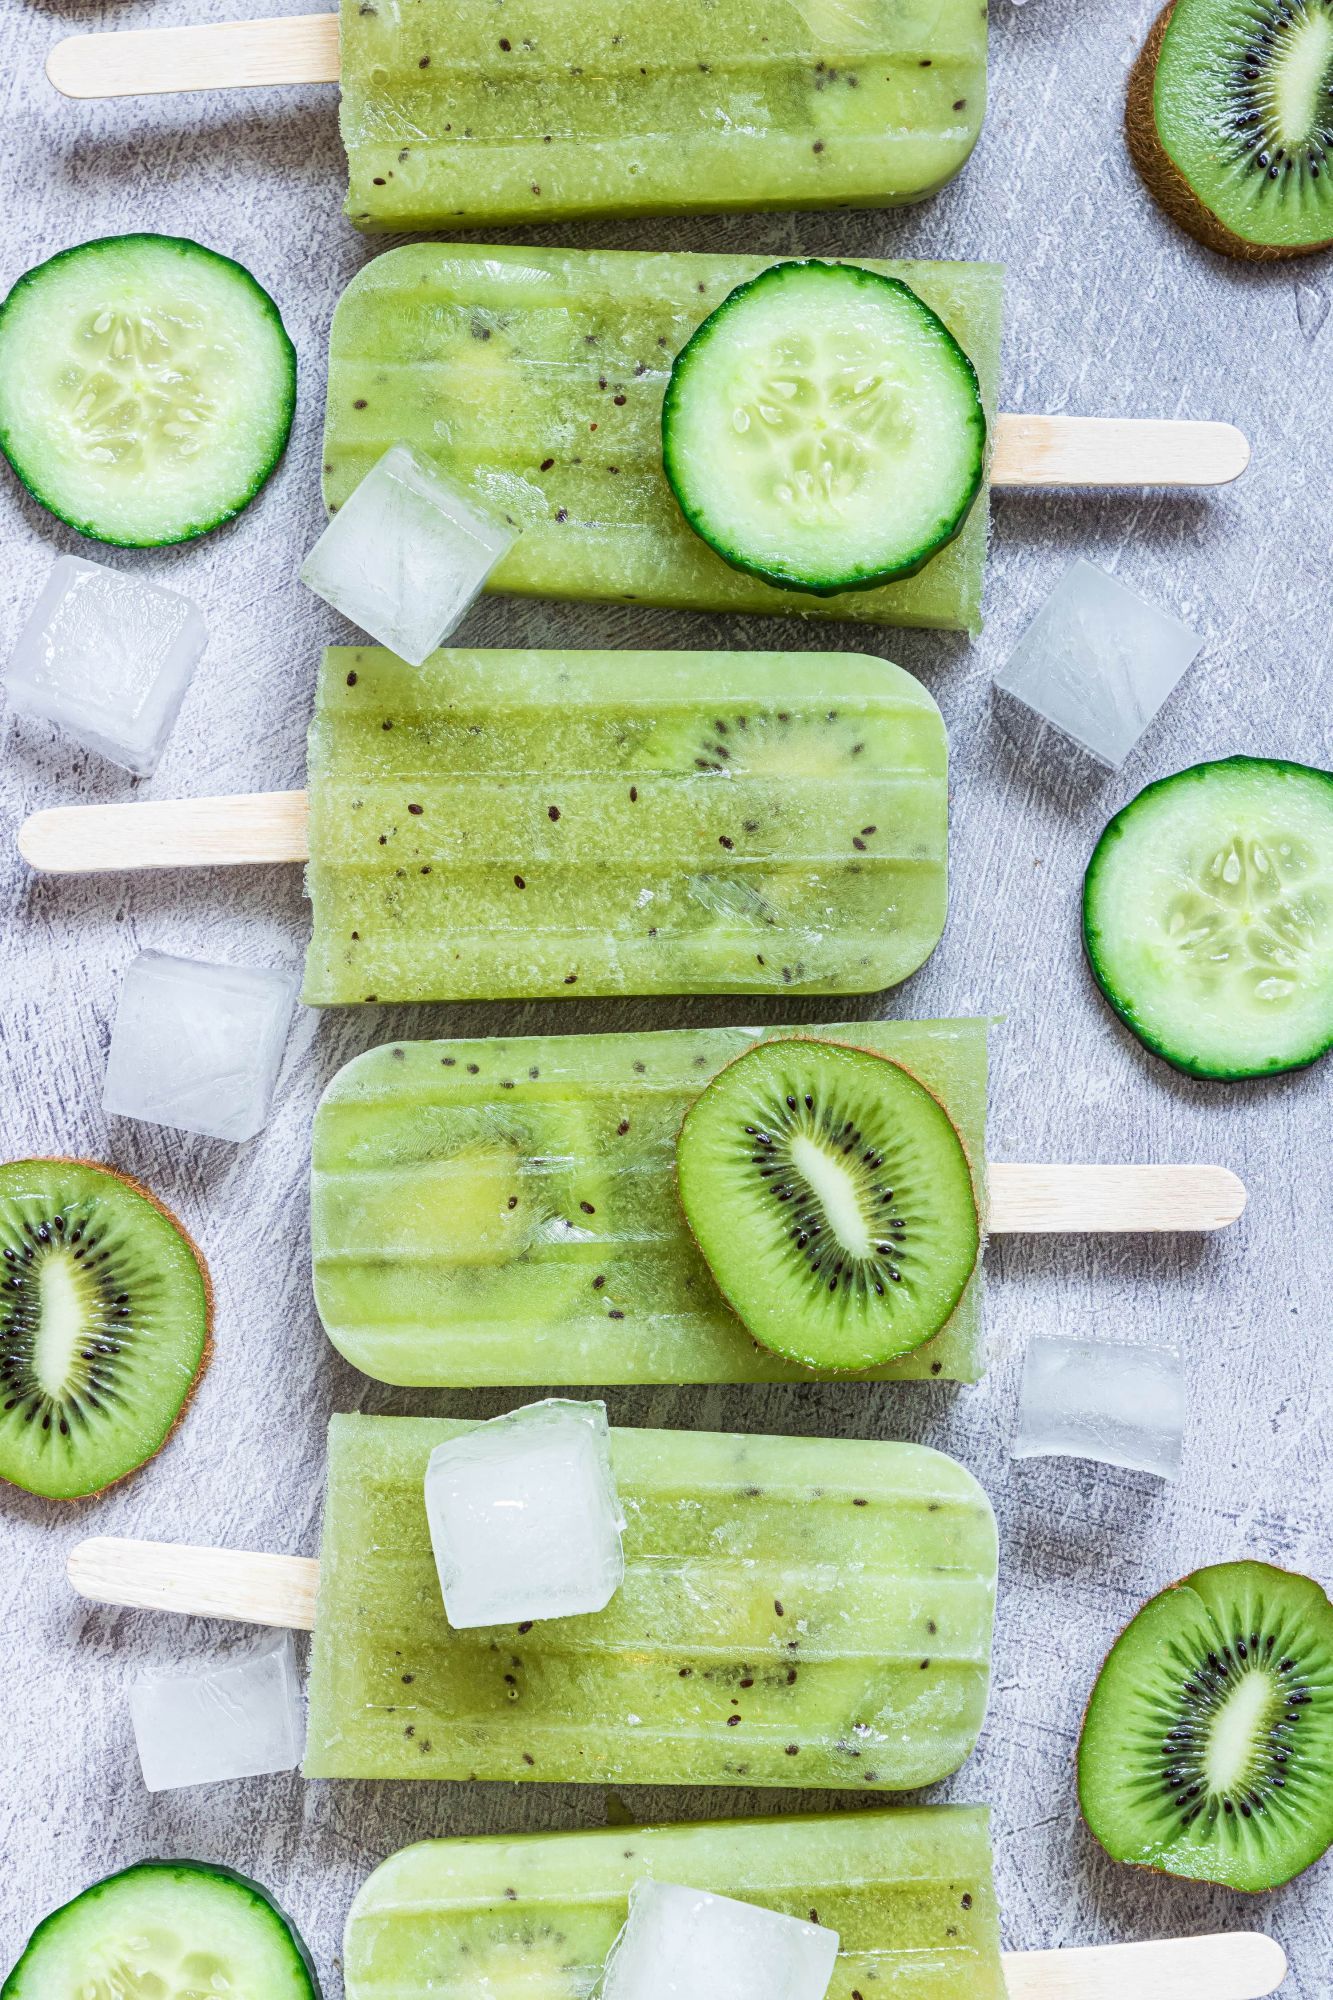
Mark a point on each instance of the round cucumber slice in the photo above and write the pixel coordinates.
(832, 1199)
(166, 1930)
(147, 387)
(824, 430)
(1208, 916)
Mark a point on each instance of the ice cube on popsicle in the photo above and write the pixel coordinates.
(505, 1211)
(534, 379)
(524, 1518)
(509, 825)
(909, 1892)
(680, 1942)
(452, 116)
(795, 1611)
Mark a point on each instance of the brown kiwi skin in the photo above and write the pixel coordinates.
(1163, 178)
(1151, 1867)
(136, 1187)
(829, 1042)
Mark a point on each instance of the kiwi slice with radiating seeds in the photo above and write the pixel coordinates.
(1207, 1748)
(1230, 123)
(833, 1200)
(105, 1315)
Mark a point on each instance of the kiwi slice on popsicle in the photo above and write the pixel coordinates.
(105, 1315)
(1230, 122)
(1207, 1748)
(833, 1200)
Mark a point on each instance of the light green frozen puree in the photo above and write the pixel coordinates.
(755, 1587)
(507, 825)
(462, 112)
(908, 1890)
(535, 378)
(425, 1275)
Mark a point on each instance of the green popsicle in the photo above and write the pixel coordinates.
(908, 1890)
(795, 1611)
(534, 378)
(453, 114)
(499, 825)
(425, 1275)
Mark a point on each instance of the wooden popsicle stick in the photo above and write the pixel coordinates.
(1052, 1199)
(167, 833)
(198, 1583)
(219, 55)
(1115, 452)
(1232, 1965)
(280, 1590)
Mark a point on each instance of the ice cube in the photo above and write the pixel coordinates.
(1113, 1400)
(234, 1720)
(405, 555)
(524, 1518)
(197, 1046)
(681, 1944)
(107, 657)
(1098, 662)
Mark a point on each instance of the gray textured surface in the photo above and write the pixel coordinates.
(1110, 312)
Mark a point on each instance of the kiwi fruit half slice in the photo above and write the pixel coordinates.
(1207, 1748)
(105, 1316)
(832, 1199)
(1230, 123)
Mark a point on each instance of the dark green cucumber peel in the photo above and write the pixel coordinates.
(108, 1934)
(841, 446)
(1247, 990)
(1207, 1747)
(832, 1200)
(52, 450)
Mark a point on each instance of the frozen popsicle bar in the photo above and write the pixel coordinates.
(505, 1211)
(499, 825)
(795, 1611)
(908, 1890)
(456, 113)
(534, 378)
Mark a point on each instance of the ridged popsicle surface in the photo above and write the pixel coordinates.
(465, 113)
(908, 1890)
(505, 1211)
(535, 378)
(795, 1611)
(499, 825)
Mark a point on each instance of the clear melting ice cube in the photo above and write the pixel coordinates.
(198, 1046)
(683, 1944)
(1112, 1400)
(524, 1517)
(1098, 662)
(107, 657)
(235, 1720)
(405, 555)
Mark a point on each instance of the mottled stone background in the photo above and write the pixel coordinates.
(1110, 312)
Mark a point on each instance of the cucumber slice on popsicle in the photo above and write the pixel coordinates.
(824, 430)
(146, 388)
(1208, 916)
(170, 1928)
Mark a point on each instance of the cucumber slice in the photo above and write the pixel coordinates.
(146, 388)
(1208, 916)
(823, 429)
(172, 1930)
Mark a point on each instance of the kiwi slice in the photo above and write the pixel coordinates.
(1230, 123)
(105, 1314)
(1207, 1748)
(832, 1199)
